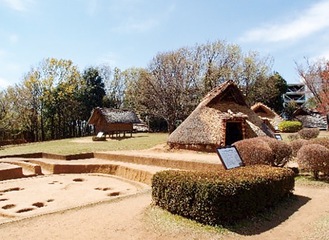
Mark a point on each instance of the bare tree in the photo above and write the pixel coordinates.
(315, 75)
(169, 88)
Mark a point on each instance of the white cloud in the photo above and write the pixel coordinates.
(18, 5)
(312, 20)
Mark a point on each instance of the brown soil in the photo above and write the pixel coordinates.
(133, 217)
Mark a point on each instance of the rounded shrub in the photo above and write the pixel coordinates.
(290, 126)
(313, 158)
(296, 145)
(282, 151)
(308, 133)
(322, 141)
(254, 151)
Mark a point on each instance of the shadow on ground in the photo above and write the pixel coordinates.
(270, 219)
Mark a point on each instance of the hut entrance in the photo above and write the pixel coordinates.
(233, 132)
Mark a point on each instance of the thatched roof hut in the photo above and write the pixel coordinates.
(270, 117)
(113, 121)
(221, 118)
(310, 118)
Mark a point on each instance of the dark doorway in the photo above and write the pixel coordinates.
(233, 132)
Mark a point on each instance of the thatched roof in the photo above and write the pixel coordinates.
(310, 118)
(265, 112)
(203, 126)
(113, 116)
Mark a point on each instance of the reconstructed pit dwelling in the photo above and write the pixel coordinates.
(222, 118)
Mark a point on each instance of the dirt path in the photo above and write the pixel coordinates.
(130, 218)
(299, 221)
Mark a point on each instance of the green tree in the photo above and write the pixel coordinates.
(93, 91)
(269, 90)
(56, 84)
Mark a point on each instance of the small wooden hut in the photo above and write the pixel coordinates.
(113, 121)
(222, 118)
(270, 117)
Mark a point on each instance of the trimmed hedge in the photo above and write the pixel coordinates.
(296, 145)
(282, 151)
(322, 141)
(314, 158)
(221, 197)
(254, 151)
(290, 126)
(309, 133)
(264, 150)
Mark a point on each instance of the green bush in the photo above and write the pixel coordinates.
(221, 197)
(313, 158)
(254, 151)
(296, 145)
(290, 126)
(308, 133)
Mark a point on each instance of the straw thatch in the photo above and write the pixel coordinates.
(269, 116)
(113, 121)
(310, 118)
(206, 127)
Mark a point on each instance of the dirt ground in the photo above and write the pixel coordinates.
(130, 214)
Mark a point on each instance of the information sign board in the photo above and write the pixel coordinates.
(229, 157)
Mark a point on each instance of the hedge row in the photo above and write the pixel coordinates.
(221, 197)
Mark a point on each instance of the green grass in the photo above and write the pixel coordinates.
(85, 144)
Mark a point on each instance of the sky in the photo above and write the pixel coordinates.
(129, 33)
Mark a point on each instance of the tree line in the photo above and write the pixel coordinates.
(55, 100)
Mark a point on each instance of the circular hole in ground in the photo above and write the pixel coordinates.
(78, 179)
(38, 204)
(13, 189)
(113, 194)
(25, 210)
(9, 206)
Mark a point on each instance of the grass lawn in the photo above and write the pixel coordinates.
(85, 144)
